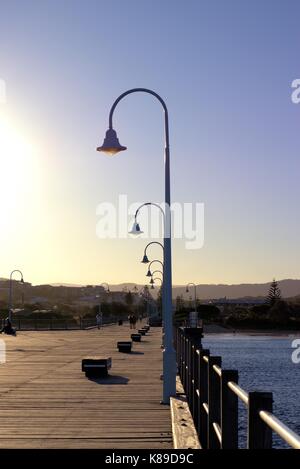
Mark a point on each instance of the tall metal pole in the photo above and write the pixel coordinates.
(99, 306)
(195, 293)
(10, 302)
(169, 357)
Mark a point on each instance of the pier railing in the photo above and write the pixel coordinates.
(213, 395)
(40, 324)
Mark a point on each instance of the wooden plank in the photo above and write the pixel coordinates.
(47, 402)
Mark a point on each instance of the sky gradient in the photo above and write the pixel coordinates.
(225, 71)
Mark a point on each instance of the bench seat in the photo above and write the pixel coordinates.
(124, 347)
(96, 366)
(136, 337)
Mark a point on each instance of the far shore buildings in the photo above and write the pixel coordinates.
(48, 296)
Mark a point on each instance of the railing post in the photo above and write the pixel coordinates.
(178, 350)
(189, 372)
(184, 356)
(202, 398)
(195, 334)
(195, 381)
(229, 410)
(213, 402)
(259, 434)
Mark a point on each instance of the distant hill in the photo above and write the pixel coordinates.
(289, 288)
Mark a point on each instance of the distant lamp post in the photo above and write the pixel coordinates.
(111, 145)
(145, 259)
(195, 293)
(104, 284)
(10, 303)
(157, 271)
(149, 274)
(152, 277)
(136, 230)
(153, 283)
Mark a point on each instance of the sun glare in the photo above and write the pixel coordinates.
(16, 165)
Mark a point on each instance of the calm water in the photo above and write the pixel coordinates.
(264, 364)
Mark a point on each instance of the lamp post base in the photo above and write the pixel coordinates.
(169, 374)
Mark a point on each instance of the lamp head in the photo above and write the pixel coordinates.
(152, 287)
(135, 230)
(149, 274)
(111, 144)
(22, 280)
(152, 281)
(187, 289)
(145, 259)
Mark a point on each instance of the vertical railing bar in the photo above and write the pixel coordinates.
(213, 402)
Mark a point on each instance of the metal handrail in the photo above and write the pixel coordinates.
(258, 403)
(281, 429)
(218, 370)
(205, 407)
(238, 391)
(218, 431)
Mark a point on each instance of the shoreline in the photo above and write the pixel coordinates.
(215, 329)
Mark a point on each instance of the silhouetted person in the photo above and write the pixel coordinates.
(99, 320)
(8, 329)
(134, 321)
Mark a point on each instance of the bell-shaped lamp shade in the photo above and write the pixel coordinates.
(152, 281)
(22, 280)
(187, 290)
(135, 230)
(111, 144)
(149, 274)
(108, 290)
(152, 287)
(145, 259)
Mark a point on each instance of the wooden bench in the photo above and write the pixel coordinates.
(124, 347)
(136, 337)
(96, 366)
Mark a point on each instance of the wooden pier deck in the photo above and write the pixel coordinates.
(47, 402)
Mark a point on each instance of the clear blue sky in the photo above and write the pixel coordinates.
(224, 69)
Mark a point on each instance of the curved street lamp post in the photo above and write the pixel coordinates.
(156, 278)
(10, 302)
(103, 284)
(136, 230)
(112, 146)
(195, 293)
(149, 274)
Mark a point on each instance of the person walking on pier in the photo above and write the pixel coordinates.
(134, 319)
(99, 320)
(130, 321)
